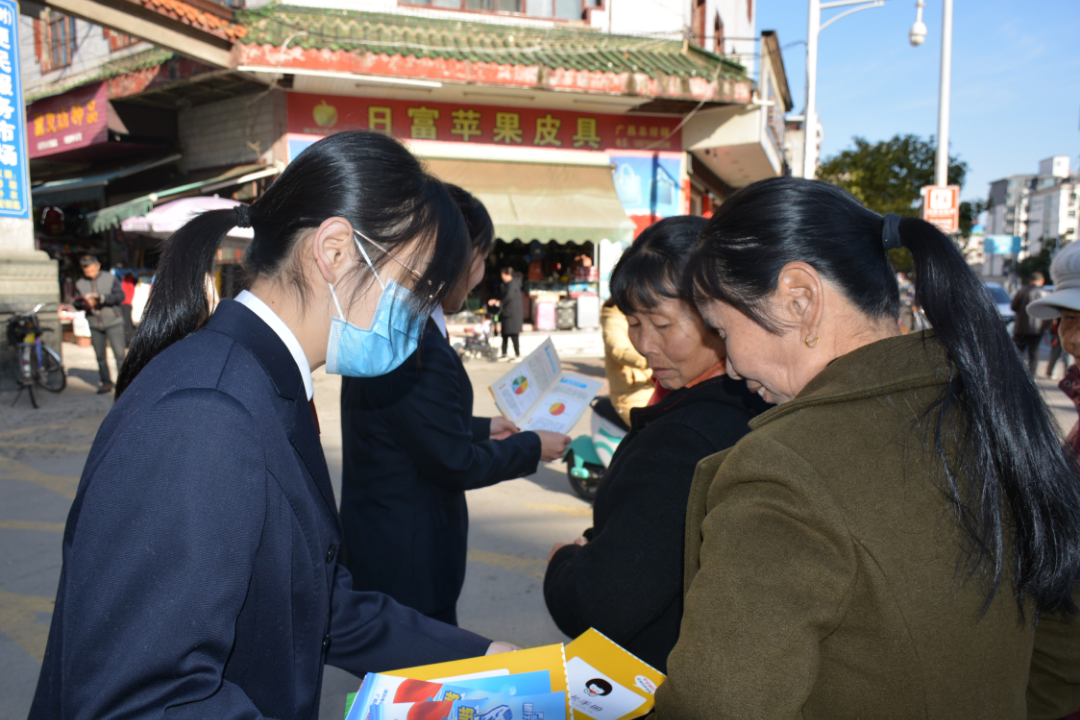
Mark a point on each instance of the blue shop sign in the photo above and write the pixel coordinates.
(14, 166)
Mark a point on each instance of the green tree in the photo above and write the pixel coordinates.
(889, 176)
(1035, 263)
(969, 215)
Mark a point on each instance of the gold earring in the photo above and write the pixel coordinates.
(810, 343)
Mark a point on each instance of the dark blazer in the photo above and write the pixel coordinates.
(199, 576)
(627, 581)
(511, 313)
(411, 449)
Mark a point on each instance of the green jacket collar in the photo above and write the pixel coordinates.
(891, 365)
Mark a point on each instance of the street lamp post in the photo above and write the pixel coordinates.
(918, 35)
(814, 28)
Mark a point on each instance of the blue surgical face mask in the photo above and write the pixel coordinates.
(394, 334)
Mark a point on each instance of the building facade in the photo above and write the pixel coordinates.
(577, 123)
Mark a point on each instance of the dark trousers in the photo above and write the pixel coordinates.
(1029, 348)
(115, 336)
(129, 326)
(517, 348)
(1055, 354)
(446, 615)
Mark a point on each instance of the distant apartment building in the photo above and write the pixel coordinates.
(795, 143)
(1034, 207)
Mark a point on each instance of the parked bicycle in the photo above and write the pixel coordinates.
(38, 364)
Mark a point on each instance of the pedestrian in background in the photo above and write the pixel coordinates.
(627, 371)
(511, 312)
(624, 575)
(1063, 307)
(412, 447)
(100, 295)
(1028, 331)
(900, 536)
(200, 575)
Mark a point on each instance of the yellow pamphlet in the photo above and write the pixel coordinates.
(548, 657)
(607, 682)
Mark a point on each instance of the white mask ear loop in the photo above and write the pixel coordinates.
(370, 264)
(336, 303)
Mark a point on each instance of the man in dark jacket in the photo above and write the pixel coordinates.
(1028, 331)
(102, 295)
(511, 312)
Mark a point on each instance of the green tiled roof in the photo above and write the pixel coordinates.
(572, 48)
(151, 57)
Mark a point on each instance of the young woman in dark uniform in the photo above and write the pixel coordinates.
(200, 576)
(412, 448)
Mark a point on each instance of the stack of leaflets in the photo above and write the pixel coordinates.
(592, 677)
(537, 395)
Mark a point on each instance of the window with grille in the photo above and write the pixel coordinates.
(118, 41)
(553, 9)
(55, 40)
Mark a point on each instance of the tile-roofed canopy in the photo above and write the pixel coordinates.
(216, 23)
(460, 43)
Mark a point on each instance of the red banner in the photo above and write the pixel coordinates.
(69, 121)
(481, 124)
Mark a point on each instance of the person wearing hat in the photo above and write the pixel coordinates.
(102, 294)
(1064, 304)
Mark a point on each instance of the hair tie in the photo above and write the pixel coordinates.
(243, 216)
(890, 232)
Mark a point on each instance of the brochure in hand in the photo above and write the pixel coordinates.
(548, 706)
(379, 689)
(537, 395)
(592, 677)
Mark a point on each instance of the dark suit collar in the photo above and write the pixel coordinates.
(719, 389)
(238, 322)
(245, 327)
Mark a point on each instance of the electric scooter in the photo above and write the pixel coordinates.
(589, 455)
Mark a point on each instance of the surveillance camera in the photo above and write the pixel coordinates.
(918, 33)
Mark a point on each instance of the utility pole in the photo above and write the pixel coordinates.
(941, 171)
(813, 27)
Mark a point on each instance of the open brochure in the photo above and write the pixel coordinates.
(592, 678)
(537, 395)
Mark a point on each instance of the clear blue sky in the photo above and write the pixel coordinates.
(1015, 82)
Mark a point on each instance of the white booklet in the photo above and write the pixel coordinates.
(537, 395)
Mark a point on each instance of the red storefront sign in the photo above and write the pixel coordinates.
(941, 207)
(481, 124)
(69, 121)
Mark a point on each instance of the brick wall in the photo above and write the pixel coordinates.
(238, 131)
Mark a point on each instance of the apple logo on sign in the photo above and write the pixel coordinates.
(325, 115)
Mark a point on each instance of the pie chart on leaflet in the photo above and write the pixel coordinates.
(520, 384)
(557, 409)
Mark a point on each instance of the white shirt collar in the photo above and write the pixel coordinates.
(282, 330)
(440, 319)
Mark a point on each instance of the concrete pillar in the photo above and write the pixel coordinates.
(27, 277)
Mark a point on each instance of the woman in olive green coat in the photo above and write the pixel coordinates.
(882, 544)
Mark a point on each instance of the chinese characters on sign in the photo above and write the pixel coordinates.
(69, 121)
(941, 207)
(14, 168)
(449, 122)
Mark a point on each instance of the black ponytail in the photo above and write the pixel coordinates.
(368, 178)
(1014, 467)
(1013, 487)
(178, 304)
